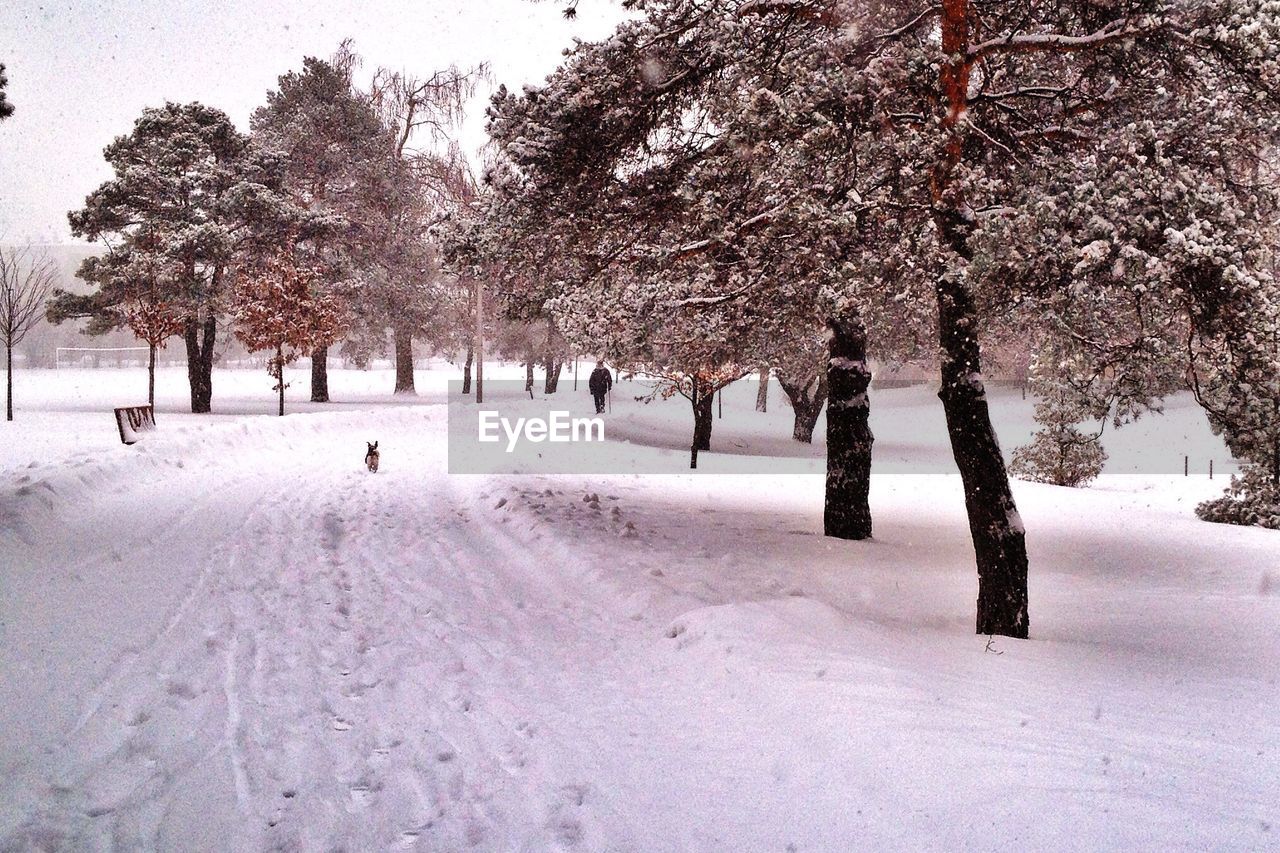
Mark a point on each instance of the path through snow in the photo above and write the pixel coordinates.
(235, 638)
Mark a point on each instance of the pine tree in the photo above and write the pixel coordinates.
(1060, 453)
(1240, 390)
(715, 152)
(339, 164)
(189, 193)
(6, 106)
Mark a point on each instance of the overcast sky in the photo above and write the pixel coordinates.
(81, 71)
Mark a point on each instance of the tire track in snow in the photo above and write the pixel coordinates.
(112, 765)
(357, 657)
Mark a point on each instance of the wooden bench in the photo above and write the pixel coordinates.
(134, 421)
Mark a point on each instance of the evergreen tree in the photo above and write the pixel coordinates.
(189, 194)
(6, 107)
(828, 140)
(1060, 452)
(340, 164)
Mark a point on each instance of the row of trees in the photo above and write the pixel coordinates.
(311, 229)
(723, 183)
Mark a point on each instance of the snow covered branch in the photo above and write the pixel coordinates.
(1115, 31)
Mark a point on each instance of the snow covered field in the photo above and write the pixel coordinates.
(232, 637)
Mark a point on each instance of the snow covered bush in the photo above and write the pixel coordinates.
(1236, 380)
(1069, 394)
(1252, 499)
(1060, 455)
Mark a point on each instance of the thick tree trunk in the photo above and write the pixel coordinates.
(806, 407)
(554, 366)
(762, 393)
(703, 402)
(8, 371)
(847, 510)
(528, 377)
(479, 342)
(280, 377)
(200, 337)
(999, 542)
(466, 371)
(151, 376)
(403, 340)
(320, 375)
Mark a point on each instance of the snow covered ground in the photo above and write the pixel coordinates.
(232, 637)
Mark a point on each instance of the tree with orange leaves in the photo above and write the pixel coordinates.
(279, 306)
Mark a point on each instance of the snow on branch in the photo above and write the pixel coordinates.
(706, 301)
(910, 26)
(699, 246)
(1120, 30)
(816, 10)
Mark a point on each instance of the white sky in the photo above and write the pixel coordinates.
(81, 71)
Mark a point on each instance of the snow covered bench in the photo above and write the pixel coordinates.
(134, 422)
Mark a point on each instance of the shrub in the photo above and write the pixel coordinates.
(1252, 500)
(1060, 455)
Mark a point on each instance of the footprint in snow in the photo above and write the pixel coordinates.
(563, 820)
(180, 689)
(362, 793)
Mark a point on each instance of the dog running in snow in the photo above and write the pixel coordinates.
(371, 458)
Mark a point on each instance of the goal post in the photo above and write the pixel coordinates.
(100, 357)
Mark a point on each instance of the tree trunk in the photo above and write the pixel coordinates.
(8, 370)
(847, 509)
(280, 376)
(703, 401)
(479, 342)
(528, 377)
(806, 407)
(466, 371)
(762, 393)
(151, 376)
(554, 365)
(200, 338)
(320, 375)
(999, 542)
(403, 339)
(1275, 464)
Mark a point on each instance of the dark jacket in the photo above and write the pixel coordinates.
(601, 381)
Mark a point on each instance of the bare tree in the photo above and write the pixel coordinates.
(428, 111)
(26, 279)
(434, 105)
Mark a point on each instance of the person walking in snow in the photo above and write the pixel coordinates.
(599, 384)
